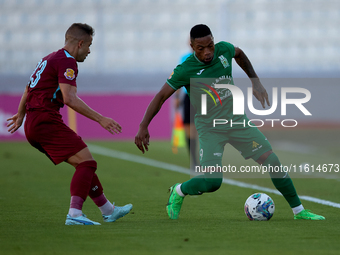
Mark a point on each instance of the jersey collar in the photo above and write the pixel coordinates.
(67, 54)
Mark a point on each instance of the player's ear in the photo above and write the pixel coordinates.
(80, 43)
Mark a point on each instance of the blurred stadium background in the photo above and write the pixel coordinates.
(139, 42)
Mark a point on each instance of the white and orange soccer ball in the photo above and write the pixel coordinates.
(259, 206)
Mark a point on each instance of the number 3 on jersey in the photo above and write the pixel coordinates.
(37, 72)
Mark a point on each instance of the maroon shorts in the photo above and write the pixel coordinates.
(47, 132)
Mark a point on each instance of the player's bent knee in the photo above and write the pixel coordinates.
(262, 159)
(88, 163)
(80, 157)
(272, 159)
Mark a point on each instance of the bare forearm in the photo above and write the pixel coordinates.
(17, 119)
(258, 90)
(243, 61)
(22, 104)
(142, 137)
(153, 108)
(81, 107)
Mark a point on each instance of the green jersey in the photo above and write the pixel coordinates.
(200, 78)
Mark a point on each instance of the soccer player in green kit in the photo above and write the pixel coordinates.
(213, 61)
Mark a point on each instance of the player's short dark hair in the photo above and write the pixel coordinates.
(199, 31)
(79, 30)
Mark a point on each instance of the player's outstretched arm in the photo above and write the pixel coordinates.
(259, 91)
(142, 137)
(72, 100)
(17, 119)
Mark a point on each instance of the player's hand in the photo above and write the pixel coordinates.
(142, 139)
(260, 92)
(110, 125)
(15, 123)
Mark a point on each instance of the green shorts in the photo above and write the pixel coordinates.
(249, 141)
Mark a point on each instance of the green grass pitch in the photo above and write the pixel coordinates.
(34, 201)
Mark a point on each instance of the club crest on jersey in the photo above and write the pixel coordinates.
(69, 74)
(224, 61)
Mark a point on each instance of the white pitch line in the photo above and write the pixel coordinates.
(159, 164)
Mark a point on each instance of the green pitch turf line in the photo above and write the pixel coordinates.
(159, 164)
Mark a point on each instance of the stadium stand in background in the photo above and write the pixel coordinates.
(138, 44)
(149, 36)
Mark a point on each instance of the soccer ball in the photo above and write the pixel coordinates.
(259, 206)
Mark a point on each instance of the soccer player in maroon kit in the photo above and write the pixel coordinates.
(53, 84)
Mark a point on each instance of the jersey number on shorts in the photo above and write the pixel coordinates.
(38, 71)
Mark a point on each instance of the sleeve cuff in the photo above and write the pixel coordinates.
(171, 85)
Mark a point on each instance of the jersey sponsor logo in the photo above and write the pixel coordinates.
(255, 144)
(200, 72)
(218, 154)
(69, 74)
(171, 75)
(224, 61)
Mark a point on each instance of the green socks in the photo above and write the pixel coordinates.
(212, 182)
(282, 181)
(202, 183)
